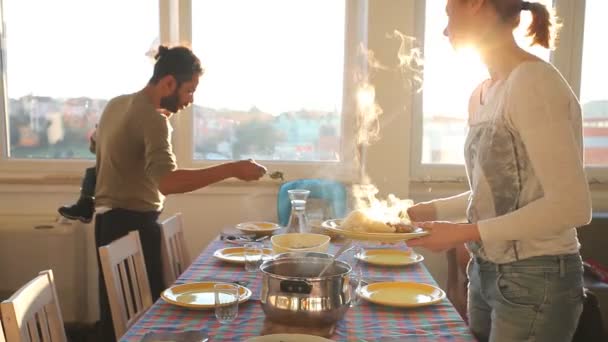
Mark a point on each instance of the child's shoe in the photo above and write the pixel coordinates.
(83, 210)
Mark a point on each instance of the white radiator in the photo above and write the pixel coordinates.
(30, 244)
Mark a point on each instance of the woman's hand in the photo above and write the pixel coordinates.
(422, 212)
(444, 235)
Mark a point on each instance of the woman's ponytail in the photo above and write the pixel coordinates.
(543, 29)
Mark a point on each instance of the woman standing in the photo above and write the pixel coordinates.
(528, 190)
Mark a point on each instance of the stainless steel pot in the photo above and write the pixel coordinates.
(303, 255)
(292, 292)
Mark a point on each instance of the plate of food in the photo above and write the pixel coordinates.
(360, 226)
(257, 227)
(197, 295)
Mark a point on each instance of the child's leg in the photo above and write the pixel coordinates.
(88, 182)
(85, 207)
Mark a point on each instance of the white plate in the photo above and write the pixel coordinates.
(288, 338)
(333, 226)
(257, 227)
(402, 294)
(236, 255)
(389, 257)
(197, 295)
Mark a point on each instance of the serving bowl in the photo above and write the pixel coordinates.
(299, 242)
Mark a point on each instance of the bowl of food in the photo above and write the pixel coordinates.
(299, 242)
(258, 228)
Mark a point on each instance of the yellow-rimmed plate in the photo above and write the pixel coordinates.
(402, 294)
(389, 257)
(333, 226)
(257, 227)
(197, 295)
(288, 338)
(236, 255)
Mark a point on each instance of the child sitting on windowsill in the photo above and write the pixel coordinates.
(84, 208)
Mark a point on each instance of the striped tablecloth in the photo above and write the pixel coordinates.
(364, 322)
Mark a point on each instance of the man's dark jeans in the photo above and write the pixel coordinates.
(113, 225)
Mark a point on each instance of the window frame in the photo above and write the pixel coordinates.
(344, 169)
(567, 58)
(57, 170)
(175, 24)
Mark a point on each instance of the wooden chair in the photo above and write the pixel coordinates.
(33, 312)
(457, 279)
(2, 339)
(175, 255)
(126, 279)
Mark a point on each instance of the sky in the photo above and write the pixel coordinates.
(277, 55)
(89, 48)
(70, 48)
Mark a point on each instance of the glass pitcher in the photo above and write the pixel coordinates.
(298, 222)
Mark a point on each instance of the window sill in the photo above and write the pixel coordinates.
(33, 183)
(29, 179)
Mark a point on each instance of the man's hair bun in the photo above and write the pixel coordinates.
(162, 50)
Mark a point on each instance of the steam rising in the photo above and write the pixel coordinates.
(368, 124)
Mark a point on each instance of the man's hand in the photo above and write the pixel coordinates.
(248, 170)
(422, 212)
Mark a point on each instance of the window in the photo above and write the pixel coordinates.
(273, 84)
(63, 60)
(449, 79)
(594, 92)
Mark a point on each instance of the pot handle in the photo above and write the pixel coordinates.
(296, 286)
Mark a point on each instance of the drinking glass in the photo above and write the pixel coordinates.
(356, 275)
(254, 252)
(226, 302)
(356, 281)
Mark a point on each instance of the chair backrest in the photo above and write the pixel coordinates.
(33, 312)
(174, 252)
(2, 339)
(457, 281)
(126, 279)
(590, 326)
(332, 191)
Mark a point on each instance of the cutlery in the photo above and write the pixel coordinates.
(276, 175)
(240, 240)
(346, 246)
(370, 280)
(261, 238)
(235, 242)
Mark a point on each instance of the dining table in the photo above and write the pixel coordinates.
(364, 321)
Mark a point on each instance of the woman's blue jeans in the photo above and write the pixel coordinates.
(536, 299)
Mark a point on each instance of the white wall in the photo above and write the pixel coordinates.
(207, 211)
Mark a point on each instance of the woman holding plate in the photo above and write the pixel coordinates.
(528, 190)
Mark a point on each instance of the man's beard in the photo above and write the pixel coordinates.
(171, 102)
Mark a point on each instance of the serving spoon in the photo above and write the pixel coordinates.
(346, 246)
